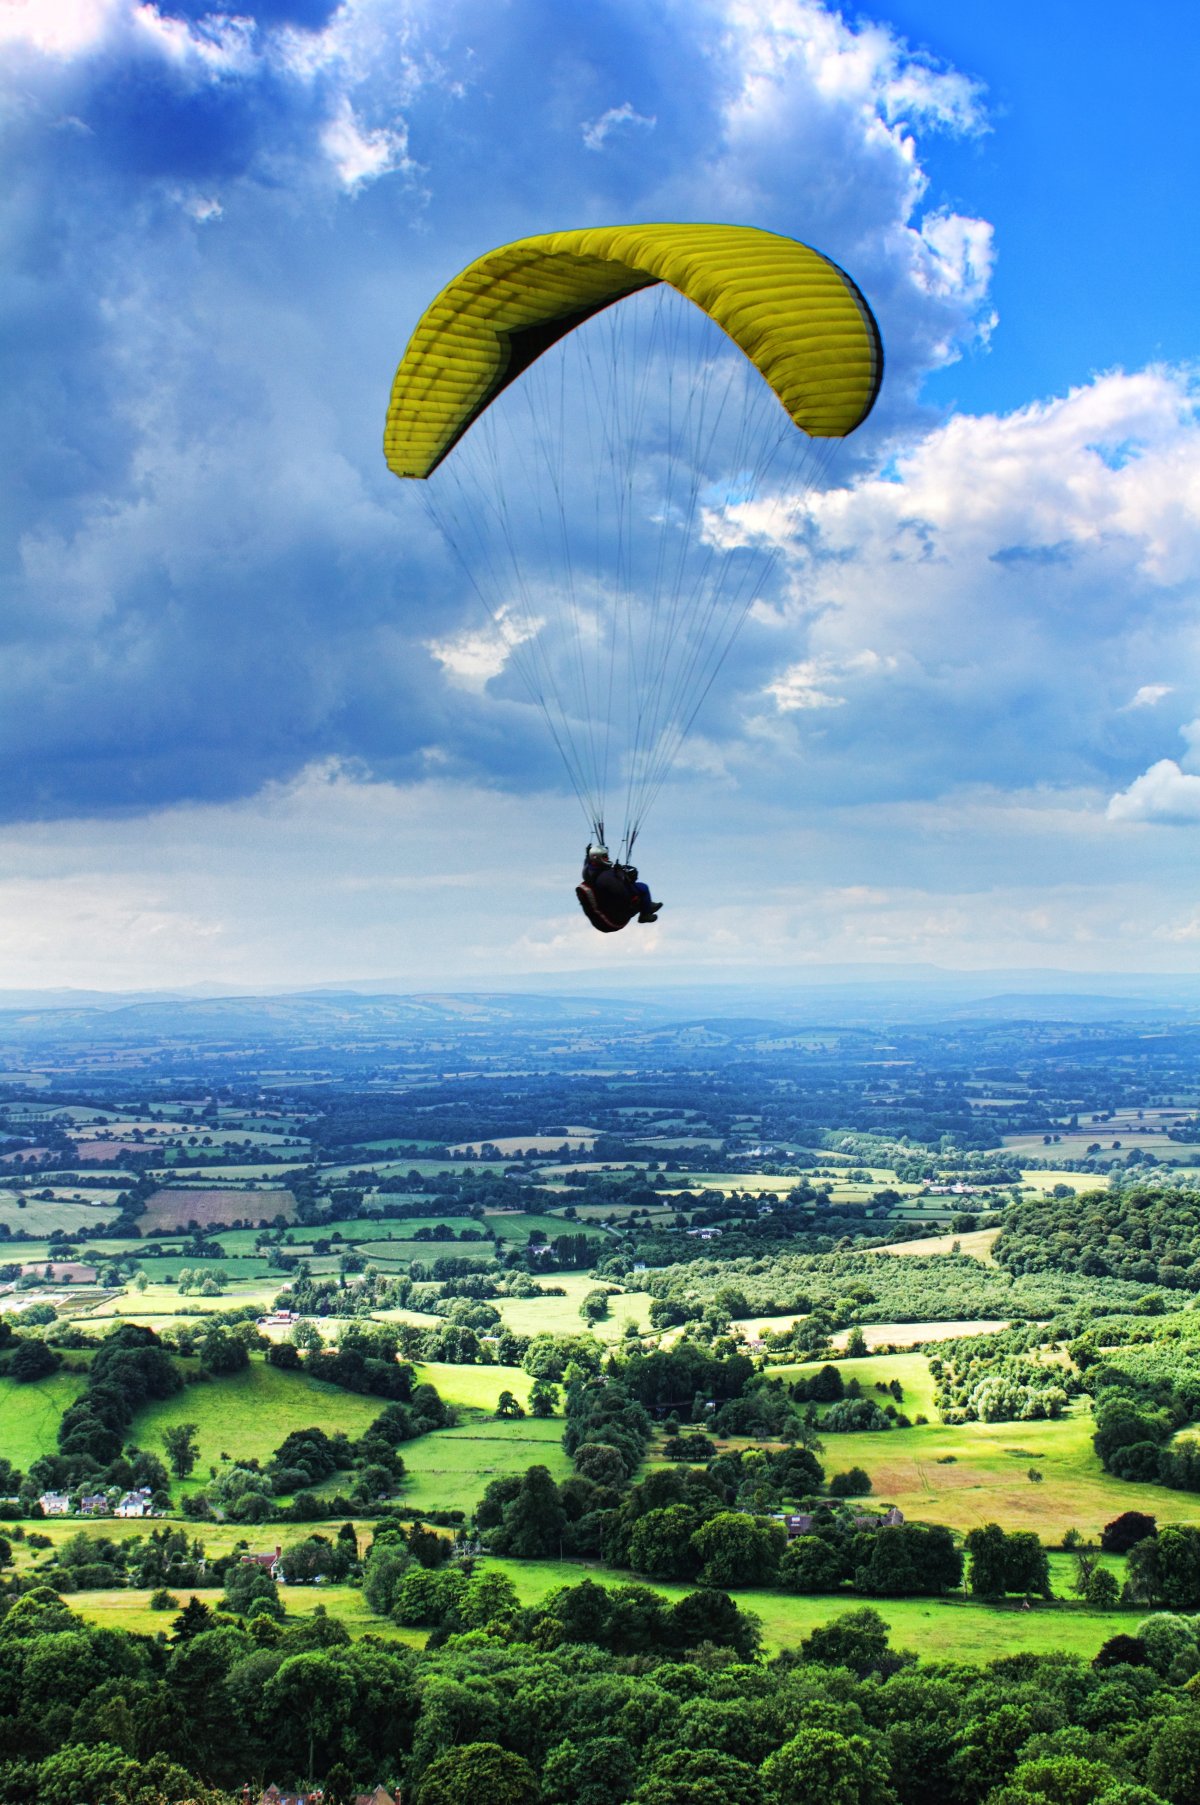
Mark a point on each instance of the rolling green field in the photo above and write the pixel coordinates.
(33, 1217)
(475, 1387)
(560, 1315)
(450, 1470)
(29, 1415)
(249, 1414)
(912, 1370)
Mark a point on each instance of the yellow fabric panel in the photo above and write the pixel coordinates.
(798, 318)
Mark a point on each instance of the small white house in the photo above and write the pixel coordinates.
(135, 1504)
(54, 1504)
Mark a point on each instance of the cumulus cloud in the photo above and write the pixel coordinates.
(212, 578)
(841, 109)
(806, 684)
(473, 657)
(1016, 576)
(58, 28)
(1163, 793)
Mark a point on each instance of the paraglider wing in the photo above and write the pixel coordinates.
(799, 319)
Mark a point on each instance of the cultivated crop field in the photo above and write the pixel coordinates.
(176, 1208)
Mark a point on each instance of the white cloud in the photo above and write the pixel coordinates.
(596, 134)
(473, 657)
(845, 103)
(1163, 793)
(805, 684)
(360, 155)
(59, 28)
(1149, 694)
(866, 66)
(215, 46)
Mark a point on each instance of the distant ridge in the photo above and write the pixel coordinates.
(347, 1014)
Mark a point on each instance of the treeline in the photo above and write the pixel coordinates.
(129, 1369)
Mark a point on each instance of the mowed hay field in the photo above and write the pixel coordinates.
(121, 1610)
(977, 1242)
(175, 1208)
(42, 1216)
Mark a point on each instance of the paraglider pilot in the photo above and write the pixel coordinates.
(611, 894)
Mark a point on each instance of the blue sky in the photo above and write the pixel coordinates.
(234, 748)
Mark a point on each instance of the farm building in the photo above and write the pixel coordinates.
(804, 1522)
(268, 1562)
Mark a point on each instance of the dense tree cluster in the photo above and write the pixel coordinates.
(993, 1379)
(596, 1697)
(841, 1287)
(1146, 1236)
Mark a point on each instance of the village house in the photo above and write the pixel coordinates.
(54, 1504)
(888, 1519)
(93, 1504)
(135, 1504)
(273, 1796)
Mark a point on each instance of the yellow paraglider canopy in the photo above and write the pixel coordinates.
(799, 319)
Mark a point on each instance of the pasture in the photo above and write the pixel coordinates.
(451, 1469)
(912, 1371)
(248, 1414)
(560, 1315)
(974, 1473)
(30, 1414)
(34, 1216)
